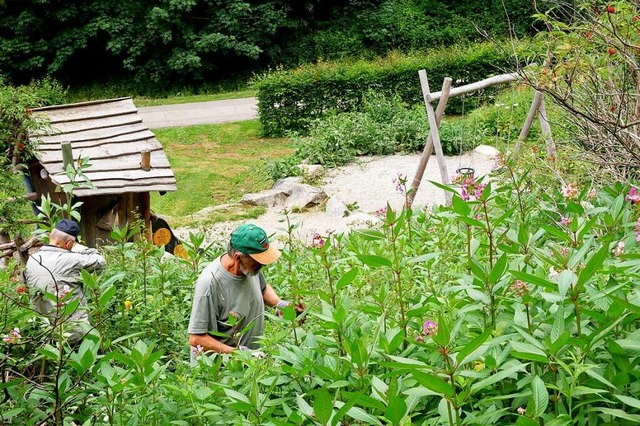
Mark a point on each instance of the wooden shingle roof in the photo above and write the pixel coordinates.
(111, 134)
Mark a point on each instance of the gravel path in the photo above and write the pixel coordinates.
(367, 184)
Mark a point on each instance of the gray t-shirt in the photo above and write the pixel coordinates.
(219, 294)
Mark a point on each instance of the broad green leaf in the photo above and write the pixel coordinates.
(594, 263)
(396, 409)
(494, 378)
(369, 234)
(304, 407)
(459, 206)
(347, 278)
(106, 296)
(424, 258)
(616, 413)
(631, 346)
(558, 233)
(323, 405)
(498, 269)
(527, 351)
(472, 346)
(565, 280)
(360, 414)
(434, 383)
(375, 261)
(343, 408)
(533, 279)
(540, 396)
(526, 421)
(599, 378)
(631, 402)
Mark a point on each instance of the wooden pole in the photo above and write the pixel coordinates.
(546, 130)
(145, 206)
(145, 160)
(434, 133)
(526, 127)
(428, 148)
(67, 154)
(474, 87)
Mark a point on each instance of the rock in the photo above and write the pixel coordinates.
(487, 151)
(335, 207)
(312, 171)
(300, 195)
(268, 198)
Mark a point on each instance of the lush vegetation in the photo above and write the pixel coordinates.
(176, 45)
(517, 304)
(289, 100)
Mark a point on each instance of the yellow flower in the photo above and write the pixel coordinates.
(128, 304)
(478, 366)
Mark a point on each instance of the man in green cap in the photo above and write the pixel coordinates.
(233, 286)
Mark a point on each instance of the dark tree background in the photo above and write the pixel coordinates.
(156, 45)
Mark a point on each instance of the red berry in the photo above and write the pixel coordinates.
(611, 9)
(21, 289)
(612, 51)
(587, 34)
(635, 18)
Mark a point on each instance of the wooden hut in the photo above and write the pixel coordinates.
(127, 163)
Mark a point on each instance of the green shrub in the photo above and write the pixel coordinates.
(291, 100)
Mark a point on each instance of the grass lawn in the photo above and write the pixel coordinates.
(216, 164)
(144, 102)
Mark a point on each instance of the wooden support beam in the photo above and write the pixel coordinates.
(428, 148)
(474, 87)
(526, 127)
(546, 131)
(434, 133)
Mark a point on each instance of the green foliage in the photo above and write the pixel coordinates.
(291, 100)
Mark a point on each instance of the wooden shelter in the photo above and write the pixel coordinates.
(127, 162)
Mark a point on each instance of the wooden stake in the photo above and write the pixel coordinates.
(434, 133)
(145, 160)
(428, 148)
(526, 127)
(67, 154)
(474, 87)
(546, 130)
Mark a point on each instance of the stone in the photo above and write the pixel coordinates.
(360, 219)
(300, 195)
(312, 171)
(335, 207)
(487, 151)
(268, 198)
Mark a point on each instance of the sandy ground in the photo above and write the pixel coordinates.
(367, 184)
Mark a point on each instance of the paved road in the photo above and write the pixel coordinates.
(199, 113)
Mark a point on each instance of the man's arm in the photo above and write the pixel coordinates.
(209, 343)
(270, 297)
(90, 258)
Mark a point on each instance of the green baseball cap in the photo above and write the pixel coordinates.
(252, 240)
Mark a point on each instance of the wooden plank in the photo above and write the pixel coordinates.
(526, 127)
(109, 151)
(126, 162)
(88, 111)
(95, 123)
(126, 138)
(122, 175)
(92, 134)
(116, 191)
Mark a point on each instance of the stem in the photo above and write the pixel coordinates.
(398, 282)
(576, 307)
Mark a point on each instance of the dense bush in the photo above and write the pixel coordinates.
(290, 100)
(516, 305)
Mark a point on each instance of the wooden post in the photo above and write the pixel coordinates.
(428, 148)
(67, 154)
(434, 133)
(145, 160)
(145, 207)
(526, 127)
(546, 130)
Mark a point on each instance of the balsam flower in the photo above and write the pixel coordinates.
(570, 191)
(430, 328)
(633, 196)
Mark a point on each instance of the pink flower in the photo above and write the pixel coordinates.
(518, 288)
(14, 336)
(592, 194)
(638, 230)
(429, 328)
(401, 182)
(565, 221)
(317, 241)
(633, 196)
(619, 250)
(477, 190)
(381, 212)
(570, 191)
(420, 339)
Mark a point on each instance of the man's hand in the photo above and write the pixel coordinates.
(299, 308)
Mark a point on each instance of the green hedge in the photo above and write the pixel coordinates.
(289, 100)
